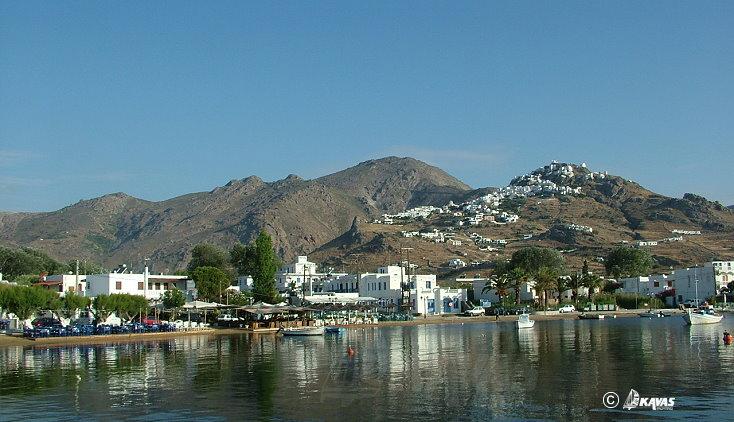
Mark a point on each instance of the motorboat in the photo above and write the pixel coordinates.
(524, 321)
(333, 329)
(653, 314)
(702, 316)
(303, 331)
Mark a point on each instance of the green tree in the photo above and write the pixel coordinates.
(126, 306)
(625, 262)
(26, 301)
(266, 264)
(499, 281)
(545, 281)
(243, 258)
(211, 282)
(174, 298)
(208, 255)
(102, 308)
(517, 277)
(592, 282)
(72, 302)
(533, 258)
(575, 282)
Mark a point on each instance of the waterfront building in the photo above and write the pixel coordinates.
(63, 283)
(291, 277)
(151, 286)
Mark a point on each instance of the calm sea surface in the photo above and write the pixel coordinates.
(558, 370)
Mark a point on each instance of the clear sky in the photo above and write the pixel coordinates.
(157, 99)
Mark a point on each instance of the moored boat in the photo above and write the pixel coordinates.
(653, 314)
(303, 331)
(700, 317)
(333, 329)
(524, 321)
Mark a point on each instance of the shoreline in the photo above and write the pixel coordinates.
(18, 341)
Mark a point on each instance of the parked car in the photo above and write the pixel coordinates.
(478, 311)
(567, 308)
(498, 311)
(46, 322)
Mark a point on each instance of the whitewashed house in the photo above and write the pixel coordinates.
(151, 286)
(63, 283)
(293, 276)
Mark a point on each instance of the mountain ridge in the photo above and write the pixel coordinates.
(329, 215)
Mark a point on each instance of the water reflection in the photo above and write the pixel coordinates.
(558, 370)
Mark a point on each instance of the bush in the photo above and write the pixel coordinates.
(605, 299)
(627, 301)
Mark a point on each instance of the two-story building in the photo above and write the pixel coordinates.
(151, 286)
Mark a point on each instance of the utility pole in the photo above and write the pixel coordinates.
(77, 287)
(405, 287)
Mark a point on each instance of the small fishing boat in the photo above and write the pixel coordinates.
(591, 316)
(333, 329)
(702, 316)
(524, 321)
(303, 331)
(653, 314)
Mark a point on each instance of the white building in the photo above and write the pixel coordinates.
(245, 283)
(135, 284)
(426, 296)
(62, 283)
(457, 263)
(684, 284)
(292, 276)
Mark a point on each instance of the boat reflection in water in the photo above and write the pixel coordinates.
(557, 370)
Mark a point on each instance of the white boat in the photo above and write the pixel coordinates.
(700, 317)
(303, 331)
(524, 321)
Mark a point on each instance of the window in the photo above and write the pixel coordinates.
(670, 283)
(150, 286)
(118, 285)
(384, 285)
(140, 285)
(157, 286)
(656, 284)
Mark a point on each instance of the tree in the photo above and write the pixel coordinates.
(592, 282)
(266, 264)
(533, 258)
(72, 302)
(25, 301)
(628, 262)
(15, 262)
(561, 285)
(545, 280)
(102, 308)
(575, 282)
(243, 258)
(517, 277)
(208, 255)
(211, 282)
(126, 306)
(499, 281)
(173, 299)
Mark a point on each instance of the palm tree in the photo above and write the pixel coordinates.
(516, 277)
(545, 280)
(592, 282)
(561, 285)
(500, 282)
(574, 282)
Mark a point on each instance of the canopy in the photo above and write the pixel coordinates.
(198, 304)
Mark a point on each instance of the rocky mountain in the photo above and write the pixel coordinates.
(565, 206)
(301, 215)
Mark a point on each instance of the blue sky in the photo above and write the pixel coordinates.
(157, 99)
